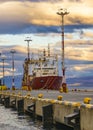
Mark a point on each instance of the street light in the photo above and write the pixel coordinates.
(3, 59)
(27, 62)
(0, 78)
(62, 13)
(13, 52)
(28, 51)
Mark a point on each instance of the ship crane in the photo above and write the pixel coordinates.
(62, 13)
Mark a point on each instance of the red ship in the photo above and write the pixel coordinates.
(41, 72)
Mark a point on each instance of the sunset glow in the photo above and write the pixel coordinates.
(38, 19)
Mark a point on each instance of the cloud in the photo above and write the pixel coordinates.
(77, 60)
(40, 16)
(79, 52)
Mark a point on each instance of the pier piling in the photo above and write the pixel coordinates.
(47, 116)
(20, 107)
(73, 119)
(2, 99)
(7, 101)
(31, 110)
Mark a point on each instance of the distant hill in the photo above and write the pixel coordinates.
(17, 81)
(81, 82)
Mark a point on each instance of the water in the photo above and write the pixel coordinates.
(9, 120)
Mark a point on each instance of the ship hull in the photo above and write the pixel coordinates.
(47, 82)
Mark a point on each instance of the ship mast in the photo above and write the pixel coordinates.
(62, 13)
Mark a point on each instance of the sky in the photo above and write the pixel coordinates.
(38, 20)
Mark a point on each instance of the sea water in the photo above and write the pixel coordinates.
(9, 120)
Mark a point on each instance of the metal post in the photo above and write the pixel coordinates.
(48, 50)
(0, 78)
(3, 59)
(28, 58)
(3, 71)
(12, 52)
(28, 51)
(62, 13)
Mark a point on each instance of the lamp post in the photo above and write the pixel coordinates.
(28, 51)
(3, 59)
(27, 62)
(0, 78)
(62, 13)
(13, 84)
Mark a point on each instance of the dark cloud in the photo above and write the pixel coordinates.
(19, 28)
(77, 62)
(72, 28)
(11, 28)
(12, 23)
(26, 28)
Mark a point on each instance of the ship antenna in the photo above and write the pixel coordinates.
(48, 50)
(62, 13)
(28, 51)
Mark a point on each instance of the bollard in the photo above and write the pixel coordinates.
(87, 100)
(20, 107)
(61, 90)
(7, 102)
(47, 116)
(59, 98)
(64, 86)
(40, 95)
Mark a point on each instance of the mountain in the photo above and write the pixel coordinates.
(80, 82)
(17, 81)
(77, 82)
